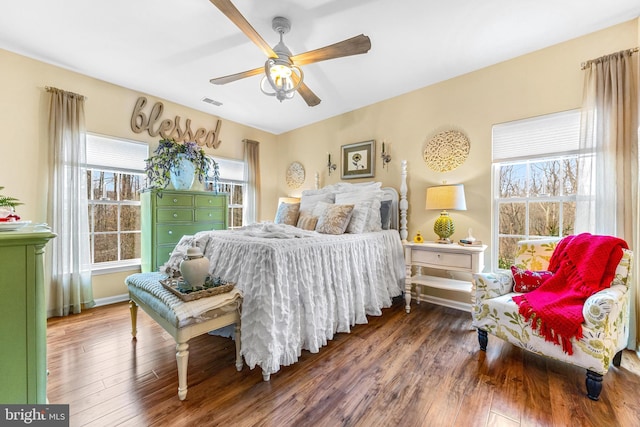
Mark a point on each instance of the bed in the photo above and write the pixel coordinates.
(300, 287)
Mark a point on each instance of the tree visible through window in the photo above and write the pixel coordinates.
(232, 181)
(114, 215)
(115, 176)
(536, 199)
(534, 165)
(235, 201)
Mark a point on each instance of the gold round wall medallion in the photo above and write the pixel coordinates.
(295, 175)
(446, 151)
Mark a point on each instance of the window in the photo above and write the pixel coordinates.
(233, 182)
(534, 168)
(115, 176)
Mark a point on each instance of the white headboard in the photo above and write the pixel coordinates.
(391, 193)
(400, 207)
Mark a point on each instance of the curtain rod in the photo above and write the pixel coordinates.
(55, 89)
(585, 64)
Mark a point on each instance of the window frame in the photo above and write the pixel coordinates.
(233, 183)
(546, 150)
(527, 200)
(119, 265)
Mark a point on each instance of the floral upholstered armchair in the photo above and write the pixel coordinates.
(605, 329)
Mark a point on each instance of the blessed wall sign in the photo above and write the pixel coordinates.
(171, 129)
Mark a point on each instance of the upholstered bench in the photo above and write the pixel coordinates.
(183, 320)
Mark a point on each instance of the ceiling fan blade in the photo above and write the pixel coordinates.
(353, 46)
(233, 77)
(309, 97)
(231, 12)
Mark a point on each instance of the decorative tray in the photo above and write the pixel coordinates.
(180, 288)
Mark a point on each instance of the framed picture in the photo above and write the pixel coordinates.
(358, 160)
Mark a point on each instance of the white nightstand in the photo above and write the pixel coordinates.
(452, 257)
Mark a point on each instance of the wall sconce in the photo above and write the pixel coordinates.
(330, 166)
(385, 156)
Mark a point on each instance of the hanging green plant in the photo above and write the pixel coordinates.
(167, 157)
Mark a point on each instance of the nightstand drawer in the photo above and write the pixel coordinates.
(170, 215)
(442, 259)
(173, 199)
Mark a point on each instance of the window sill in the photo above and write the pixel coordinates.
(119, 267)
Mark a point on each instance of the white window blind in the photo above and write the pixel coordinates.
(110, 153)
(548, 135)
(230, 170)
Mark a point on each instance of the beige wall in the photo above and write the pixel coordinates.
(24, 168)
(542, 82)
(546, 81)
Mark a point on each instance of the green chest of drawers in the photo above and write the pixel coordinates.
(166, 218)
(23, 329)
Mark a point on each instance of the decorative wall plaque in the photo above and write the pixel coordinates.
(446, 151)
(171, 129)
(295, 175)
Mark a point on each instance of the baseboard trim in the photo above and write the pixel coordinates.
(111, 300)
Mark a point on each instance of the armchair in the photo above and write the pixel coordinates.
(606, 316)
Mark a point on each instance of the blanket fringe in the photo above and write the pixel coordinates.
(545, 330)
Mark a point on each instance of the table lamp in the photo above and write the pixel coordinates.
(288, 200)
(443, 197)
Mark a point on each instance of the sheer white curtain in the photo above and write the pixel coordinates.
(252, 175)
(70, 287)
(608, 167)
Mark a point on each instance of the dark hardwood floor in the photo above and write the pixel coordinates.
(417, 369)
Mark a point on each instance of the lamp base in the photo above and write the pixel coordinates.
(444, 228)
(446, 241)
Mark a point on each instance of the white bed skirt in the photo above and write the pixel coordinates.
(299, 291)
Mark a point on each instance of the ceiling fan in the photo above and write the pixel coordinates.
(282, 73)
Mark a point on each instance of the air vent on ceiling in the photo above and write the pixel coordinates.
(211, 101)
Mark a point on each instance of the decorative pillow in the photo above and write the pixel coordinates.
(359, 217)
(385, 214)
(319, 209)
(307, 222)
(334, 219)
(526, 280)
(373, 221)
(287, 213)
(309, 201)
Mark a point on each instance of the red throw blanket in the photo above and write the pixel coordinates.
(582, 265)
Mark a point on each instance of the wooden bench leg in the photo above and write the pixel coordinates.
(133, 308)
(182, 358)
(238, 355)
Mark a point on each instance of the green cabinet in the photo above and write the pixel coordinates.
(169, 215)
(23, 317)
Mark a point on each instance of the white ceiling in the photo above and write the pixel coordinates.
(171, 48)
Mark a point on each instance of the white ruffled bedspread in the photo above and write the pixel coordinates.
(300, 287)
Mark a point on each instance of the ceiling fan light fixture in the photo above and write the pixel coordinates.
(279, 71)
(277, 80)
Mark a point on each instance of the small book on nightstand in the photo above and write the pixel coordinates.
(465, 242)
